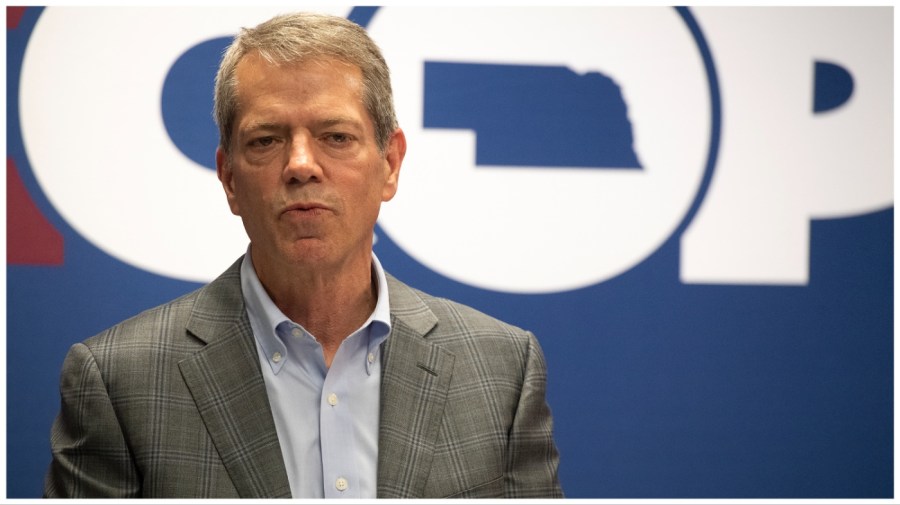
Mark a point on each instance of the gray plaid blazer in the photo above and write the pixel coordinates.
(172, 403)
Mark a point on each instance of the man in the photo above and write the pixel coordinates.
(305, 370)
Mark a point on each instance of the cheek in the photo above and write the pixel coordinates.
(234, 204)
(244, 199)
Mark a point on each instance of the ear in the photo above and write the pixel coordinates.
(393, 158)
(226, 177)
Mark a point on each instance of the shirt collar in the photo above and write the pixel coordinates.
(265, 316)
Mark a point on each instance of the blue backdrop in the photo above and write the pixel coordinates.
(662, 383)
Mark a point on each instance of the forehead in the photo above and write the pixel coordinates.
(254, 73)
(313, 91)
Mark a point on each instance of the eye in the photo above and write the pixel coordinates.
(338, 138)
(262, 142)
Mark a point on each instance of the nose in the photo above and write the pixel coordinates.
(301, 166)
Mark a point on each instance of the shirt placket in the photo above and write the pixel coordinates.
(341, 478)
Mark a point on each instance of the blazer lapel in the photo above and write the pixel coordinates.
(415, 380)
(227, 385)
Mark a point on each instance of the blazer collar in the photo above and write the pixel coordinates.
(409, 308)
(225, 380)
(219, 306)
(416, 376)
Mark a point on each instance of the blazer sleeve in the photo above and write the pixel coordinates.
(90, 455)
(532, 457)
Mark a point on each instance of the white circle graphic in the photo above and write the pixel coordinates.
(546, 229)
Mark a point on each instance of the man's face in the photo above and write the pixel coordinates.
(304, 172)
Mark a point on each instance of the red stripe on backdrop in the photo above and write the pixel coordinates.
(13, 16)
(30, 238)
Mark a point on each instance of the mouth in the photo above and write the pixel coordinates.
(305, 209)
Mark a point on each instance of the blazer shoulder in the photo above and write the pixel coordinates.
(217, 304)
(456, 323)
(150, 323)
(469, 318)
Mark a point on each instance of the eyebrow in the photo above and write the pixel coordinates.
(324, 123)
(262, 125)
(339, 120)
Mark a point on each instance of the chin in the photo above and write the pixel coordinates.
(308, 252)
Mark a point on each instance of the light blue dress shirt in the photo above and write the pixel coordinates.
(326, 418)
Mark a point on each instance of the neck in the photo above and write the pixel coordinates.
(330, 303)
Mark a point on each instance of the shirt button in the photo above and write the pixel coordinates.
(333, 400)
(276, 357)
(341, 484)
(296, 332)
(371, 358)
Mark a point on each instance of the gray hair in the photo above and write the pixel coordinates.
(293, 38)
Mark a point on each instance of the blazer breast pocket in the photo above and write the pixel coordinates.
(490, 489)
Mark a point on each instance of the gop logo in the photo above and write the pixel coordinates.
(537, 164)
